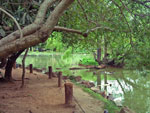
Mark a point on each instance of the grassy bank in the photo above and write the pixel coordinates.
(109, 105)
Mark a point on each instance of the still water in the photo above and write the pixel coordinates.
(129, 87)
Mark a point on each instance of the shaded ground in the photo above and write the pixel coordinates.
(41, 95)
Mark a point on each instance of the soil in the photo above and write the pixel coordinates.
(42, 95)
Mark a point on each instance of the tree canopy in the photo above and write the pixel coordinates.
(119, 27)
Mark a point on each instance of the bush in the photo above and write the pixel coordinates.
(88, 61)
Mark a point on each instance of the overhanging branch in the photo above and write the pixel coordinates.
(58, 28)
(40, 35)
(32, 28)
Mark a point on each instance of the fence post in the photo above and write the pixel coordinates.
(60, 79)
(31, 69)
(50, 72)
(68, 93)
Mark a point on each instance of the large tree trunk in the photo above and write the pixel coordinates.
(8, 69)
(10, 62)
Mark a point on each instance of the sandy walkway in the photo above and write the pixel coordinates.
(41, 95)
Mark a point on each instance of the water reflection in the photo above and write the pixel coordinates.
(128, 86)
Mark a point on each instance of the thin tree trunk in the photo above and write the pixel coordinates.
(105, 50)
(99, 56)
(23, 67)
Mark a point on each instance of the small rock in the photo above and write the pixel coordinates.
(46, 73)
(103, 93)
(105, 111)
(71, 77)
(126, 110)
(54, 74)
(86, 84)
(92, 84)
(77, 78)
(118, 102)
(65, 77)
(95, 89)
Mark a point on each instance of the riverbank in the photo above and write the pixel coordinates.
(42, 95)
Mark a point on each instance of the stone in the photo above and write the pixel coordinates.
(54, 74)
(105, 111)
(86, 84)
(95, 89)
(77, 78)
(64, 77)
(38, 70)
(91, 84)
(126, 110)
(103, 93)
(71, 77)
(118, 102)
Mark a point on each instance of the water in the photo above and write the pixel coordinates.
(128, 86)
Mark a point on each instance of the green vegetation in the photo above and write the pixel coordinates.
(88, 61)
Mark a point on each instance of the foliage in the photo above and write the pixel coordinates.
(128, 41)
(88, 61)
(67, 53)
(54, 42)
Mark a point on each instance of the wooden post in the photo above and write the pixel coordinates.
(31, 69)
(68, 93)
(60, 79)
(14, 66)
(50, 72)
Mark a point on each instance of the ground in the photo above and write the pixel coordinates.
(42, 95)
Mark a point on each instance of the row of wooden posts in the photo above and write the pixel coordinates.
(68, 86)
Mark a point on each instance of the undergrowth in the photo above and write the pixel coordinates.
(88, 61)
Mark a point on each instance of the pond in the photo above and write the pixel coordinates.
(129, 87)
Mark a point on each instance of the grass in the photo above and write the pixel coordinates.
(32, 53)
(109, 105)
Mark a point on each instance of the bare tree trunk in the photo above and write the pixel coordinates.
(99, 56)
(9, 65)
(105, 50)
(23, 68)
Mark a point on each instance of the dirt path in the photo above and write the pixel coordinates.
(88, 103)
(41, 95)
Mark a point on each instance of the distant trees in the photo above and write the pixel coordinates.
(119, 28)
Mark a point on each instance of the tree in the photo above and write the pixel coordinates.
(12, 45)
(36, 32)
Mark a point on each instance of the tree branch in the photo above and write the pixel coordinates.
(105, 28)
(142, 3)
(32, 28)
(21, 34)
(40, 36)
(131, 42)
(58, 28)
